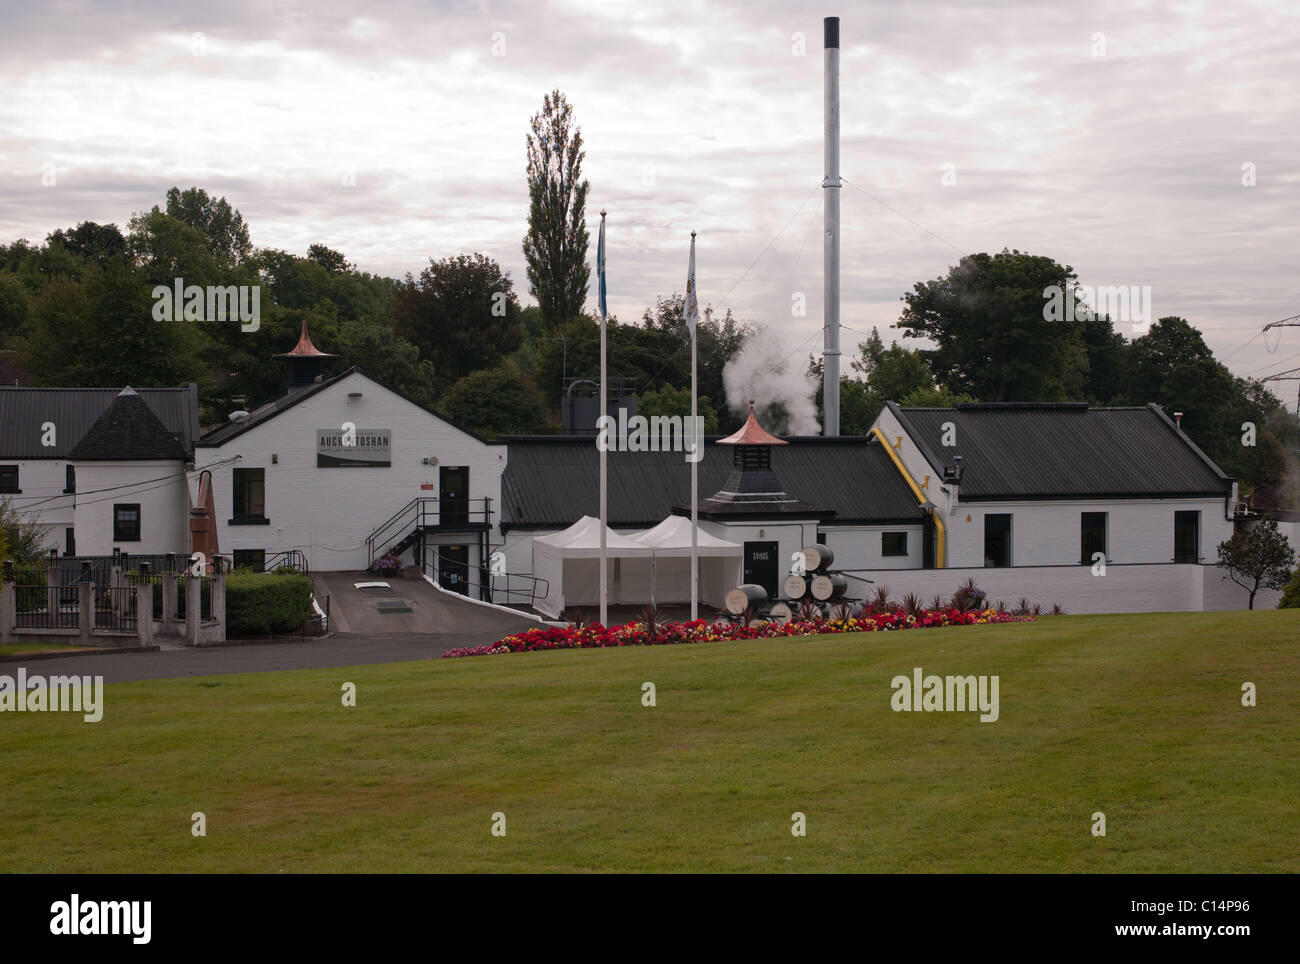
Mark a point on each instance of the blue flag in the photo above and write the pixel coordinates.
(600, 269)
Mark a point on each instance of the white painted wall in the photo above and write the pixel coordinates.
(42, 500)
(1048, 533)
(160, 488)
(859, 547)
(328, 512)
(1124, 589)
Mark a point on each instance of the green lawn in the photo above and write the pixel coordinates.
(12, 649)
(1136, 716)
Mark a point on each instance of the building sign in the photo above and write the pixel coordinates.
(368, 448)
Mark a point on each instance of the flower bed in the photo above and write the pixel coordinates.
(596, 636)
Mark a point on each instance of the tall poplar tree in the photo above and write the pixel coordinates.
(556, 243)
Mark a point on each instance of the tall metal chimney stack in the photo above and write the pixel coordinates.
(831, 269)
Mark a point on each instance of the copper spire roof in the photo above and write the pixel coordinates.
(304, 348)
(751, 433)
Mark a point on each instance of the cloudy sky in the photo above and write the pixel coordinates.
(1110, 136)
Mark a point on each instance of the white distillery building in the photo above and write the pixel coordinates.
(1027, 499)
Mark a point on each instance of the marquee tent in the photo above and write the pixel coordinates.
(668, 571)
(570, 563)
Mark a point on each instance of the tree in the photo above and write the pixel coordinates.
(221, 225)
(556, 243)
(461, 313)
(14, 304)
(101, 331)
(1257, 556)
(495, 401)
(96, 243)
(332, 261)
(22, 540)
(993, 341)
(671, 401)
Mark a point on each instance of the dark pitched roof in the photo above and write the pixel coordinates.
(224, 433)
(23, 412)
(552, 481)
(1064, 450)
(128, 430)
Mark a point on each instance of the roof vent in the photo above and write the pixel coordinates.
(238, 416)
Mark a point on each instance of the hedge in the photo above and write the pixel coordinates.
(261, 603)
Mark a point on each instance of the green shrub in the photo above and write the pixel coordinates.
(261, 603)
(1291, 594)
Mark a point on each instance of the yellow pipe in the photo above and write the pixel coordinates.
(920, 499)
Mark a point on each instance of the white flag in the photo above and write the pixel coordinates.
(691, 309)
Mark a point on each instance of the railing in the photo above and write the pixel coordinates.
(115, 608)
(427, 513)
(41, 606)
(505, 589)
(205, 597)
(292, 558)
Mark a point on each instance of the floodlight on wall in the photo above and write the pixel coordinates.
(352, 395)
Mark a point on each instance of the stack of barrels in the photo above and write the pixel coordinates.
(812, 581)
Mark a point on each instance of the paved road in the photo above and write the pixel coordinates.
(410, 620)
(339, 650)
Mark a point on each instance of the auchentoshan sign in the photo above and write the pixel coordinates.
(364, 448)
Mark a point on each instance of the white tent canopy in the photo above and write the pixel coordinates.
(654, 563)
(570, 563)
(672, 537)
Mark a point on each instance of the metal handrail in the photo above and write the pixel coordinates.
(418, 510)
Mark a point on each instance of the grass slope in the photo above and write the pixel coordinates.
(1136, 716)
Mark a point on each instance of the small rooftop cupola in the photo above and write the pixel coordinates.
(752, 488)
(305, 361)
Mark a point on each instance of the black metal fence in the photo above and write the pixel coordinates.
(41, 606)
(52, 600)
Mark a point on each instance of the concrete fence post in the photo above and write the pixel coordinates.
(8, 604)
(219, 595)
(85, 610)
(193, 613)
(169, 602)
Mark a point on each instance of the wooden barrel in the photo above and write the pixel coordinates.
(818, 558)
(743, 597)
(781, 613)
(796, 587)
(826, 587)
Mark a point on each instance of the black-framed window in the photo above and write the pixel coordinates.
(70, 479)
(249, 498)
(1092, 536)
(70, 542)
(126, 522)
(997, 540)
(9, 479)
(1187, 536)
(893, 543)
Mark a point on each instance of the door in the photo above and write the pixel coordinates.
(1187, 537)
(453, 568)
(762, 565)
(997, 539)
(453, 494)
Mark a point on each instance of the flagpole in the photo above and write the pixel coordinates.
(698, 441)
(604, 411)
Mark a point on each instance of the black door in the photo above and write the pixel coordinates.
(762, 566)
(997, 539)
(453, 494)
(1187, 536)
(453, 568)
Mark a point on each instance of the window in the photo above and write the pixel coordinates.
(1187, 536)
(250, 494)
(1092, 536)
(126, 522)
(70, 479)
(70, 541)
(997, 540)
(893, 543)
(254, 559)
(9, 479)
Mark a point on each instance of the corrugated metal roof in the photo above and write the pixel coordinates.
(552, 482)
(23, 412)
(1045, 451)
